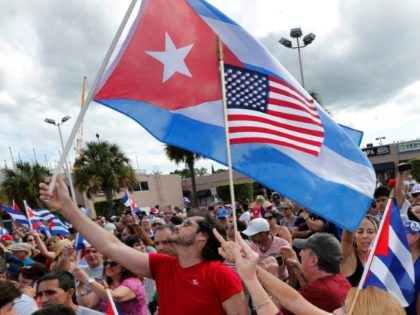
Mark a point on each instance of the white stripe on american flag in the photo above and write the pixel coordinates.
(308, 128)
(240, 123)
(293, 103)
(264, 135)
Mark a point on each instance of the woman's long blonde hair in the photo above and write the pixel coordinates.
(375, 301)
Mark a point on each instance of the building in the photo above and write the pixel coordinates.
(385, 158)
(151, 189)
(206, 185)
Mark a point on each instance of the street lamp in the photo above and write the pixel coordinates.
(67, 167)
(380, 139)
(307, 40)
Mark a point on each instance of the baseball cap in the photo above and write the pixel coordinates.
(412, 227)
(24, 247)
(222, 213)
(6, 237)
(325, 245)
(256, 226)
(416, 189)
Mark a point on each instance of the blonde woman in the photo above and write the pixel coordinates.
(356, 249)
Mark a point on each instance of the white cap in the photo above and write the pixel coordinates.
(416, 189)
(256, 226)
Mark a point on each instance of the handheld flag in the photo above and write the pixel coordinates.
(390, 264)
(165, 77)
(111, 308)
(15, 206)
(17, 216)
(129, 202)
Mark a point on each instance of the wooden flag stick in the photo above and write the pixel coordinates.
(228, 153)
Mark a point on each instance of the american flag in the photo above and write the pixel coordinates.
(264, 109)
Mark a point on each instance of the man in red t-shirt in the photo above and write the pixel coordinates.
(321, 255)
(194, 282)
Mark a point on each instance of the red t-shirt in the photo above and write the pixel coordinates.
(327, 293)
(199, 289)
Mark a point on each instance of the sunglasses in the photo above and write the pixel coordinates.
(285, 208)
(110, 263)
(188, 222)
(268, 218)
(415, 195)
(156, 224)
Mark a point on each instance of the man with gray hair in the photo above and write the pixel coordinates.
(325, 287)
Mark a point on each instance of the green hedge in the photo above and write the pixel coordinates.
(242, 192)
(415, 172)
(102, 208)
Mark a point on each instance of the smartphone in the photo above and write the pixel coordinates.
(279, 258)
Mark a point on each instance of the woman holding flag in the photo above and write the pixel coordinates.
(125, 289)
(356, 249)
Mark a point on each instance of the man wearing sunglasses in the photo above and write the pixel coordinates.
(194, 282)
(415, 195)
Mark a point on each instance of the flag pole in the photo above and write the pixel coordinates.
(225, 114)
(27, 214)
(372, 250)
(90, 96)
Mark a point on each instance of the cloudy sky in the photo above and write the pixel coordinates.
(364, 63)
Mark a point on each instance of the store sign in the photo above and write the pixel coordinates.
(374, 151)
(409, 146)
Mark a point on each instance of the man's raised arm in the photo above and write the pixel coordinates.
(105, 242)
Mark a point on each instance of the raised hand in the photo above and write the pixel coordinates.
(60, 195)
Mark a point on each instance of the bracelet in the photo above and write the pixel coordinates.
(259, 306)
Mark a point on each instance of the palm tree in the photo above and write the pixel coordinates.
(179, 155)
(22, 183)
(315, 95)
(103, 167)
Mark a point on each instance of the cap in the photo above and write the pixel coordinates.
(6, 237)
(416, 189)
(412, 227)
(222, 213)
(256, 226)
(325, 245)
(25, 247)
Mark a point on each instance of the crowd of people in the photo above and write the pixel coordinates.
(282, 260)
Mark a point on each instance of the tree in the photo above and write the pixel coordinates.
(179, 155)
(315, 95)
(22, 183)
(185, 173)
(103, 167)
(415, 172)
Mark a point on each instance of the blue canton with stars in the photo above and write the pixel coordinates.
(246, 89)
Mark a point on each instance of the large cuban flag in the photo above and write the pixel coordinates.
(391, 267)
(165, 77)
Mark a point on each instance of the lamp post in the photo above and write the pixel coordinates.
(66, 167)
(380, 139)
(307, 39)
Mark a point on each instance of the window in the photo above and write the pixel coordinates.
(144, 186)
(136, 187)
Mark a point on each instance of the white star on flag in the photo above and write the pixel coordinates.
(172, 58)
